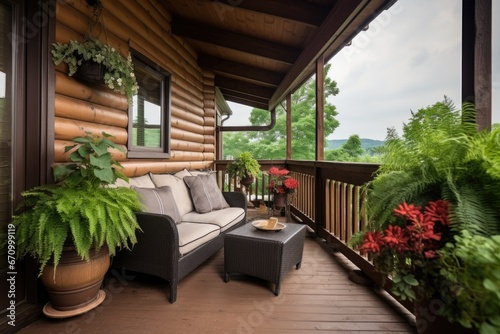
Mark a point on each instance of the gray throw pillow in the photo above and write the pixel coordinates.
(205, 193)
(159, 200)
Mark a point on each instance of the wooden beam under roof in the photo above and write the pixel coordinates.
(298, 11)
(243, 95)
(246, 87)
(251, 103)
(240, 70)
(232, 40)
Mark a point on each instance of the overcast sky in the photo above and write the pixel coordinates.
(408, 59)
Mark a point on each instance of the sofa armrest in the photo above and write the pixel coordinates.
(235, 199)
(157, 249)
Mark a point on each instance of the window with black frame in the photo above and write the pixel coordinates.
(149, 116)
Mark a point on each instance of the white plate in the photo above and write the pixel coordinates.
(262, 225)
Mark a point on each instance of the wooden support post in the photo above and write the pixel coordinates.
(476, 58)
(483, 67)
(289, 126)
(320, 112)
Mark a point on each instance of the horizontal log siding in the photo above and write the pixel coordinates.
(145, 27)
(209, 112)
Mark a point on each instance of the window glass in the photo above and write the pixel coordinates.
(150, 113)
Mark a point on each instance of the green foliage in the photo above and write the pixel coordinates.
(272, 144)
(81, 209)
(441, 156)
(119, 74)
(471, 265)
(353, 146)
(244, 166)
(93, 164)
(87, 218)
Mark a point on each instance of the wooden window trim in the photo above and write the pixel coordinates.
(164, 151)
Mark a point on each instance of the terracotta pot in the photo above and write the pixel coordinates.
(76, 283)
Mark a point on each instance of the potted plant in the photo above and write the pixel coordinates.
(441, 180)
(116, 71)
(81, 219)
(282, 186)
(244, 167)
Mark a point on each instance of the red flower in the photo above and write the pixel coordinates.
(430, 254)
(277, 172)
(438, 211)
(410, 245)
(290, 183)
(371, 243)
(280, 182)
(395, 237)
(409, 211)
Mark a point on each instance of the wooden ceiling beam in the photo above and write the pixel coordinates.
(232, 40)
(250, 103)
(242, 95)
(246, 87)
(240, 70)
(298, 11)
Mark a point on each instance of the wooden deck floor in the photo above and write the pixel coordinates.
(317, 298)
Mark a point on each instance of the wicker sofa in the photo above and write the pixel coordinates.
(180, 230)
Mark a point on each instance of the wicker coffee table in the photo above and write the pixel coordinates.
(263, 254)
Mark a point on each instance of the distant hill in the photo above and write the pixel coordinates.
(365, 143)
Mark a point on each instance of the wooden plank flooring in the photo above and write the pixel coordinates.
(317, 298)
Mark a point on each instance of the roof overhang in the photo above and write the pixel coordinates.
(261, 50)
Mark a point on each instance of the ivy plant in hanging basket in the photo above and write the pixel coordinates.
(117, 71)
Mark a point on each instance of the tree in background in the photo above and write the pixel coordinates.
(272, 144)
(350, 150)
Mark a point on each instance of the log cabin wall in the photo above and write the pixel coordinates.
(145, 27)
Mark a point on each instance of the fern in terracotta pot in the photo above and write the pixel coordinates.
(80, 217)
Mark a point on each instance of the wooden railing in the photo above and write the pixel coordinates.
(258, 191)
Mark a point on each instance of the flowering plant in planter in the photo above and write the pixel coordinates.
(408, 248)
(118, 71)
(280, 182)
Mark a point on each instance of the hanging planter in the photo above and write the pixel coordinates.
(118, 72)
(95, 62)
(90, 71)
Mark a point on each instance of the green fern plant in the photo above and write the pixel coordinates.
(245, 165)
(441, 156)
(81, 209)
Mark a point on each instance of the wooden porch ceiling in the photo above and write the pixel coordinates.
(260, 50)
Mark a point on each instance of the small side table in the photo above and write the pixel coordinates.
(264, 254)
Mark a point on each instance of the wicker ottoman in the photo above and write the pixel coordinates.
(264, 254)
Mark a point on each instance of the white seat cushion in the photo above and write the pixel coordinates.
(192, 235)
(224, 218)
